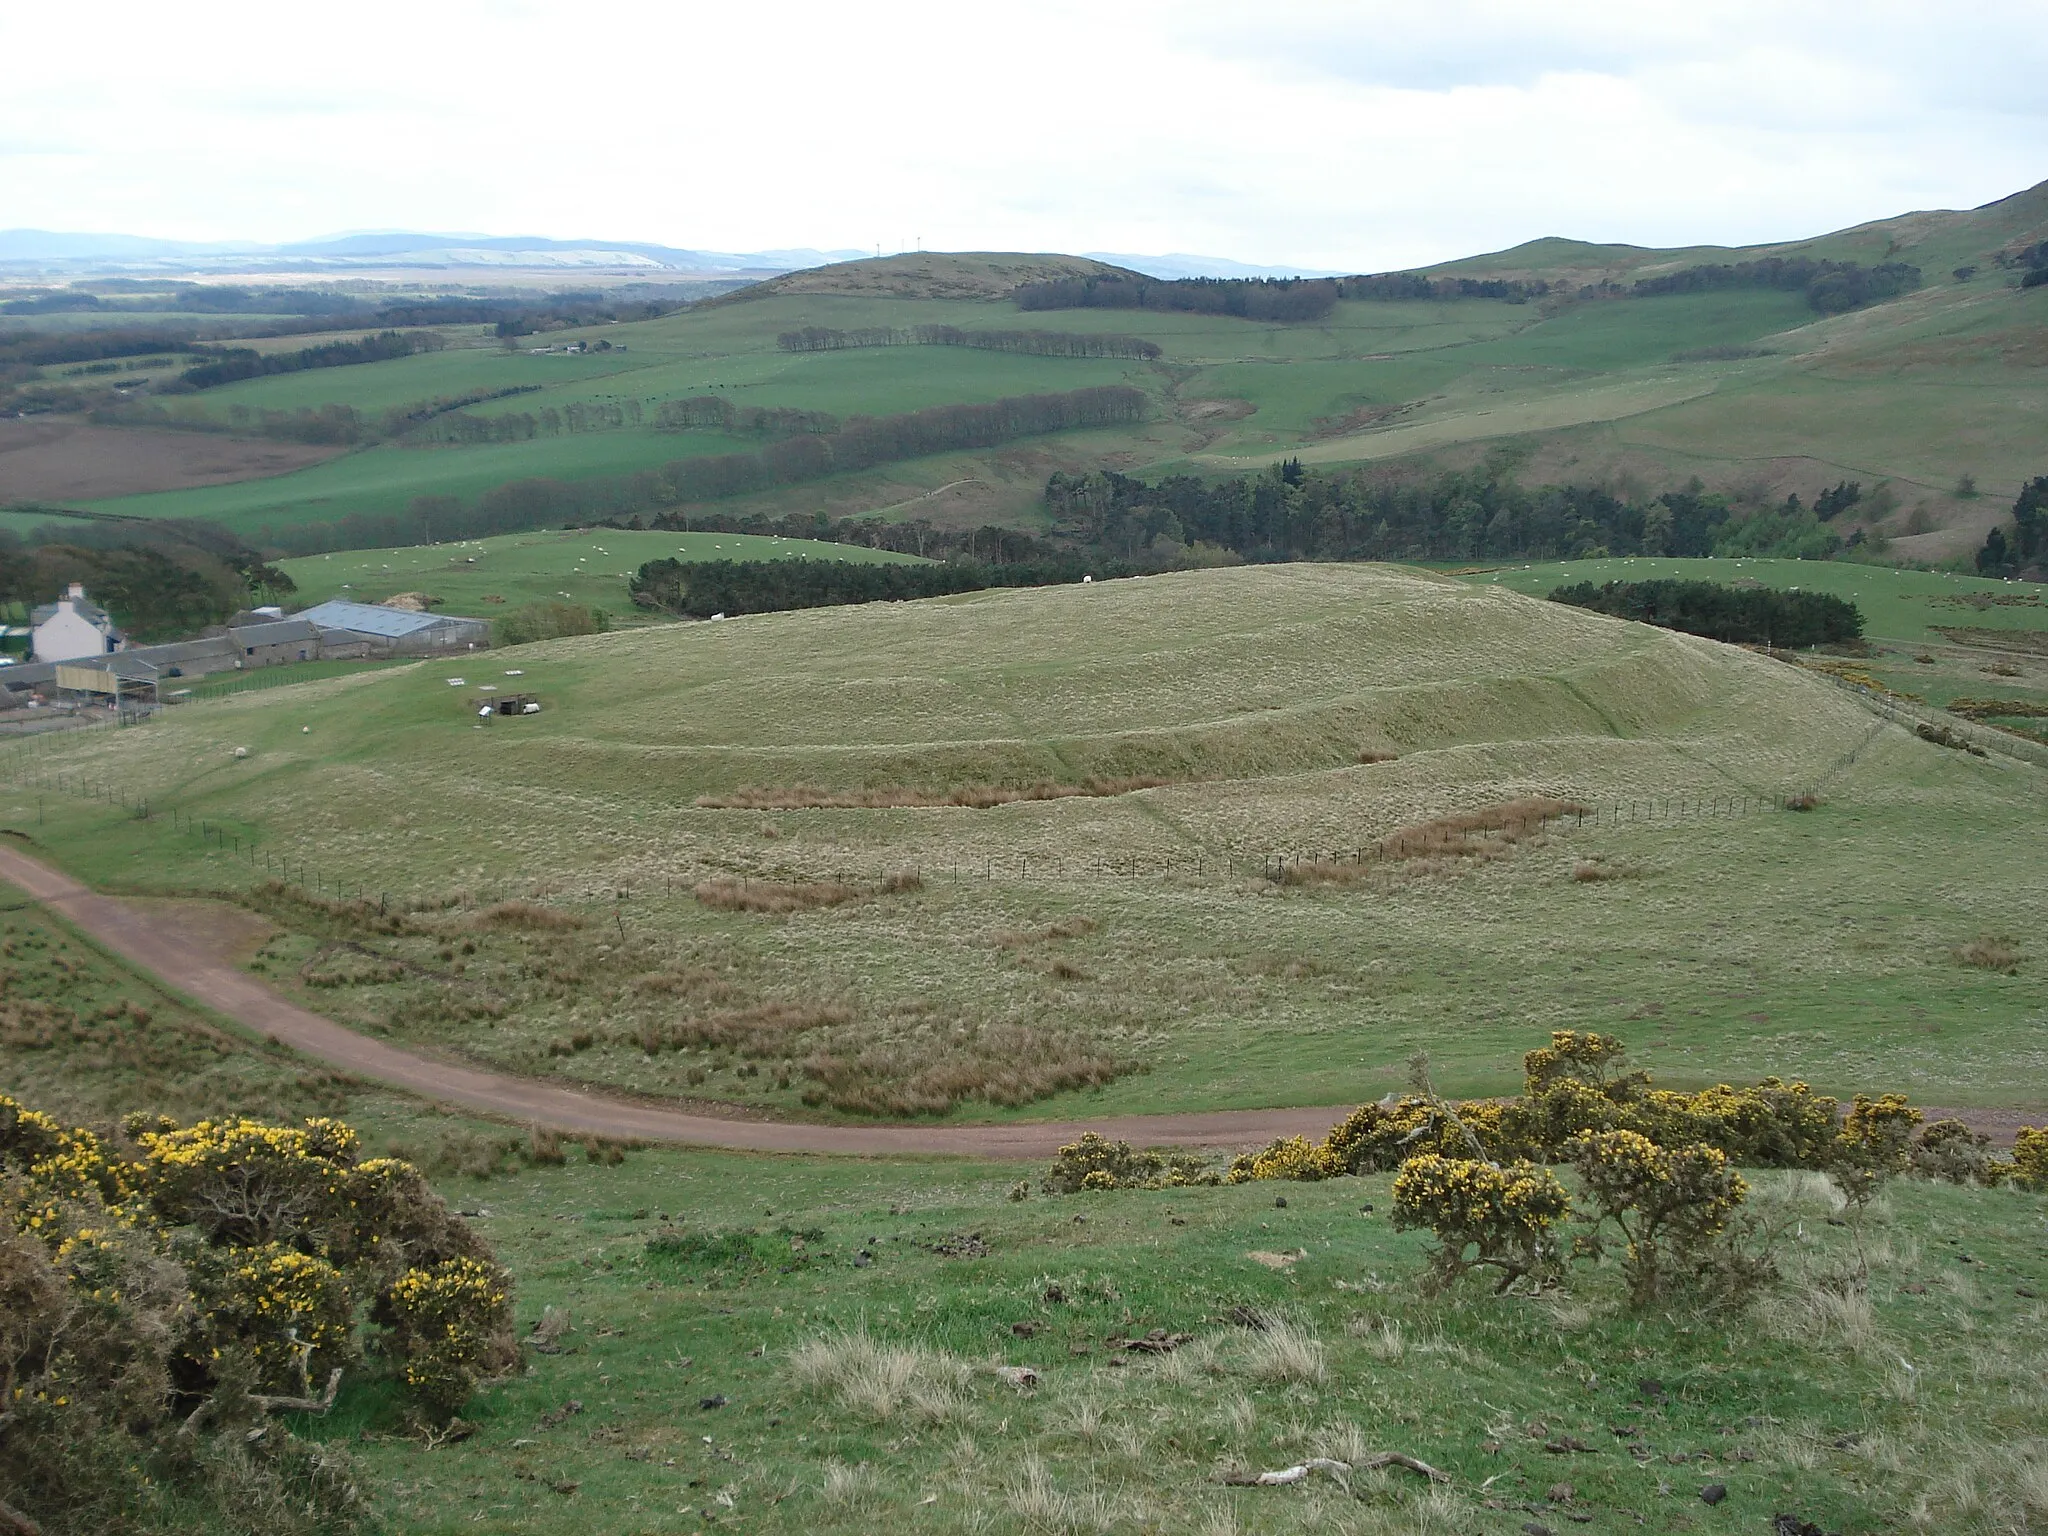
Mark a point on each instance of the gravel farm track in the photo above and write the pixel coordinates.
(146, 940)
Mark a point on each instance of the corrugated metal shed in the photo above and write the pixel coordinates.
(276, 632)
(368, 619)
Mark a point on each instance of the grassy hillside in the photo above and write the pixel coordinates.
(814, 1344)
(1123, 938)
(1749, 389)
(1800, 1405)
(590, 568)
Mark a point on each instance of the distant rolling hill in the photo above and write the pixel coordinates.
(1933, 398)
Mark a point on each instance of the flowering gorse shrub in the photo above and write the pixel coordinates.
(289, 1312)
(2030, 1159)
(1950, 1150)
(1484, 1215)
(1094, 1162)
(1291, 1157)
(280, 1239)
(1874, 1145)
(1669, 1204)
(243, 1181)
(450, 1324)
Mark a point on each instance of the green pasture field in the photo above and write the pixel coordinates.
(589, 567)
(1123, 940)
(808, 1343)
(1898, 605)
(386, 478)
(1917, 391)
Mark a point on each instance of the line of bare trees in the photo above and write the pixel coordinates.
(818, 338)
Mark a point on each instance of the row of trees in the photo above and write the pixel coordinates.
(1258, 298)
(232, 365)
(1293, 512)
(330, 423)
(1831, 287)
(1386, 287)
(702, 589)
(861, 442)
(818, 338)
(717, 414)
(2027, 547)
(1741, 615)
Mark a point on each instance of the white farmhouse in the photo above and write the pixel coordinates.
(72, 628)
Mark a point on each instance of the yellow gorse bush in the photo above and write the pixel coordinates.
(275, 1236)
(1484, 1215)
(1291, 1157)
(2030, 1158)
(1670, 1204)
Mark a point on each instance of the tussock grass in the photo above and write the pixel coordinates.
(1480, 832)
(777, 897)
(851, 1487)
(1990, 952)
(879, 1380)
(772, 1029)
(529, 916)
(1284, 1352)
(1490, 832)
(1591, 871)
(979, 797)
(1008, 1066)
(1066, 928)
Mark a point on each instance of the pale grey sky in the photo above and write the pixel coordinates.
(1359, 136)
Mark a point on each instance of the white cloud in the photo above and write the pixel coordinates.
(1324, 132)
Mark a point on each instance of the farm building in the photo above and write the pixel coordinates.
(73, 627)
(275, 642)
(396, 631)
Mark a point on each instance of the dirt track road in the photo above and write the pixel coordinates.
(145, 941)
(149, 941)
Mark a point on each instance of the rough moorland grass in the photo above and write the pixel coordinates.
(1803, 945)
(862, 1385)
(805, 797)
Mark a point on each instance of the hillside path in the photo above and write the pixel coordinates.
(154, 942)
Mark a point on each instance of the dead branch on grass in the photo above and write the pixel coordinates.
(1340, 1470)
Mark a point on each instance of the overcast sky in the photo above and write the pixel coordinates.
(1358, 136)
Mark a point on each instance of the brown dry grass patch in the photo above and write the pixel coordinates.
(762, 1032)
(1990, 952)
(1490, 832)
(1007, 1066)
(979, 797)
(528, 915)
(1066, 928)
(777, 897)
(1590, 871)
